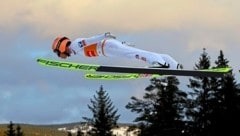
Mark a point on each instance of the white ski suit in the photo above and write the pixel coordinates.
(106, 45)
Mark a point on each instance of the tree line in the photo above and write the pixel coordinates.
(211, 106)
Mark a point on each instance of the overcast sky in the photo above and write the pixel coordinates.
(30, 93)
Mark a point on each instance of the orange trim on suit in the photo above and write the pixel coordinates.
(91, 50)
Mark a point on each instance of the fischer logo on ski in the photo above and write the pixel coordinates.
(67, 65)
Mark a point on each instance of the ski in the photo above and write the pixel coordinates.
(214, 72)
(118, 76)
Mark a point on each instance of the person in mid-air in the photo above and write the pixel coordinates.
(107, 45)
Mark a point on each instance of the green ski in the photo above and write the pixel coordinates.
(132, 72)
(118, 76)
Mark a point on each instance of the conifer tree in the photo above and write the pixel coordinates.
(199, 110)
(104, 114)
(227, 109)
(161, 109)
(11, 130)
(19, 131)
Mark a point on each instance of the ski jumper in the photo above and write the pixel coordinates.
(102, 45)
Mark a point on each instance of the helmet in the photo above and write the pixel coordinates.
(60, 45)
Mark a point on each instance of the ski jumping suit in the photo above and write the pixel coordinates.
(103, 45)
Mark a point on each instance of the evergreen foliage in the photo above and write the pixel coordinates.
(11, 130)
(214, 107)
(226, 113)
(161, 109)
(199, 110)
(19, 131)
(104, 114)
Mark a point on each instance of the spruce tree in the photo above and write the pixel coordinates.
(104, 114)
(227, 108)
(11, 130)
(161, 109)
(19, 131)
(199, 110)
